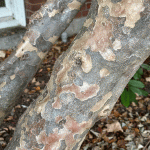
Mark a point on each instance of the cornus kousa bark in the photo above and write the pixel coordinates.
(88, 78)
(45, 27)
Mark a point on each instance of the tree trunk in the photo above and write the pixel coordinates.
(46, 25)
(88, 78)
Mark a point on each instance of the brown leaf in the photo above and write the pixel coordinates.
(116, 113)
(136, 130)
(114, 127)
(121, 144)
(48, 69)
(37, 88)
(106, 139)
(10, 118)
(32, 91)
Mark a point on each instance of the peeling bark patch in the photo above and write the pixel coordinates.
(24, 47)
(36, 127)
(134, 8)
(74, 5)
(71, 128)
(117, 44)
(100, 38)
(2, 85)
(53, 13)
(74, 128)
(51, 141)
(108, 55)
(36, 16)
(62, 74)
(86, 63)
(101, 102)
(104, 113)
(41, 55)
(130, 9)
(73, 125)
(83, 92)
(12, 77)
(104, 72)
(58, 119)
(33, 35)
(88, 22)
(40, 104)
(53, 39)
(56, 104)
(74, 58)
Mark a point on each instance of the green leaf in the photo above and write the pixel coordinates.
(132, 95)
(145, 66)
(136, 83)
(125, 99)
(138, 91)
(135, 101)
(140, 71)
(137, 76)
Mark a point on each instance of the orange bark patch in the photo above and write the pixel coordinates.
(50, 142)
(75, 128)
(89, 92)
(71, 127)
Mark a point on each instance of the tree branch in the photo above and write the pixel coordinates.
(46, 25)
(88, 79)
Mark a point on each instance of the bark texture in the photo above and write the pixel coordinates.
(46, 25)
(88, 78)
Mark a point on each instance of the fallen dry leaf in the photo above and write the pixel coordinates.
(114, 127)
(37, 88)
(121, 143)
(148, 79)
(2, 54)
(116, 113)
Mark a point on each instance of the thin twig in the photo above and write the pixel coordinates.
(146, 145)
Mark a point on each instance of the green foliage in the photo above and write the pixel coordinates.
(134, 86)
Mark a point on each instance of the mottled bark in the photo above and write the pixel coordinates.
(88, 78)
(46, 25)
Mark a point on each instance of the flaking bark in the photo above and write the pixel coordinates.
(88, 78)
(46, 25)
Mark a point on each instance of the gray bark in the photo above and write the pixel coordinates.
(88, 78)
(46, 25)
